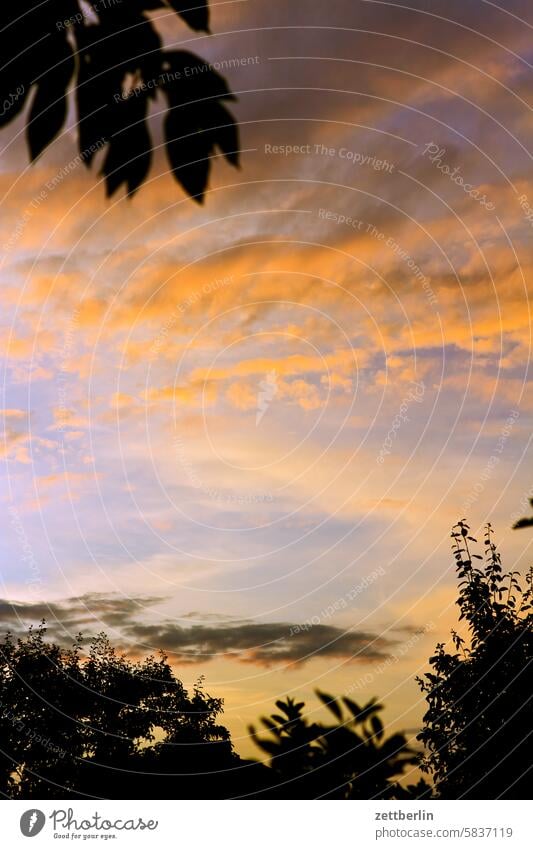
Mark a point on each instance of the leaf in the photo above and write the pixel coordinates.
(331, 703)
(352, 706)
(128, 160)
(189, 156)
(49, 107)
(270, 725)
(377, 727)
(368, 710)
(226, 133)
(197, 122)
(523, 523)
(190, 80)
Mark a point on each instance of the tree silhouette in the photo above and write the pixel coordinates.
(477, 728)
(350, 759)
(101, 725)
(117, 63)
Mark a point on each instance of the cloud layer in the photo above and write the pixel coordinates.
(264, 644)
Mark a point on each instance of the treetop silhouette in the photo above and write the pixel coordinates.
(116, 61)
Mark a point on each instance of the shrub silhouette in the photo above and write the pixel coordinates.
(350, 759)
(477, 728)
(117, 64)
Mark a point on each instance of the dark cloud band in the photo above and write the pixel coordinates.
(262, 643)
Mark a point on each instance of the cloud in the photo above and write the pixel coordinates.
(198, 393)
(13, 445)
(260, 643)
(92, 610)
(13, 414)
(242, 395)
(66, 418)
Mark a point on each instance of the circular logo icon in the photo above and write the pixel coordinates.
(32, 822)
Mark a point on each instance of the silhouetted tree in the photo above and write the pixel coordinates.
(98, 724)
(117, 64)
(477, 729)
(350, 759)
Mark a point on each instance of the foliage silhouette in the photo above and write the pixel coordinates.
(99, 724)
(79, 722)
(89, 722)
(477, 729)
(526, 522)
(116, 60)
(350, 759)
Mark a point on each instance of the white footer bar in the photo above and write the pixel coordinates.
(266, 824)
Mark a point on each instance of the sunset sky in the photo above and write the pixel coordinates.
(224, 422)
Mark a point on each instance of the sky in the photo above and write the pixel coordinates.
(242, 431)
